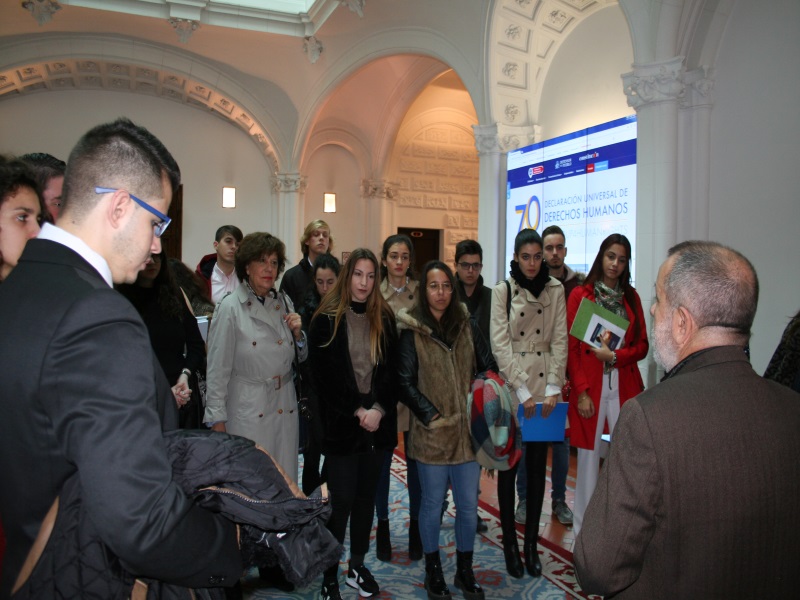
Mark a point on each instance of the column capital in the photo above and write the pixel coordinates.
(288, 182)
(500, 139)
(378, 189)
(699, 87)
(655, 82)
(487, 140)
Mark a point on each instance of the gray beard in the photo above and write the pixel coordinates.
(663, 351)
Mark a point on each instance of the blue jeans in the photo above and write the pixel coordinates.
(463, 479)
(558, 476)
(382, 494)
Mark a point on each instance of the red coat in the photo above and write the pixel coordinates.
(586, 372)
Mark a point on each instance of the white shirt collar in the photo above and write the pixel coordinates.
(73, 242)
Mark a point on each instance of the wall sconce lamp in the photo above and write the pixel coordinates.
(329, 202)
(229, 197)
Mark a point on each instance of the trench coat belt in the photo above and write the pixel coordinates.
(530, 346)
(278, 380)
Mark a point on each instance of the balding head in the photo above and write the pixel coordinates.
(717, 284)
(706, 295)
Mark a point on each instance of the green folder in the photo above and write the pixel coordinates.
(593, 321)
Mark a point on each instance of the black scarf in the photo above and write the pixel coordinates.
(535, 285)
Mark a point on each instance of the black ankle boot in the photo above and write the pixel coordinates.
(435, 584)
(513, 560)
(383, 543)
(414, 541)
(465, 578)
(532, 563)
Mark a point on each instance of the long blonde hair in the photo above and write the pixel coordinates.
(337, 301)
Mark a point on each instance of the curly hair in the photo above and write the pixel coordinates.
(255, 246)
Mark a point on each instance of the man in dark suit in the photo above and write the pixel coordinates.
(698, 498)
(81, 393)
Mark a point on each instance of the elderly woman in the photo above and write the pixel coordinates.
(251, 346)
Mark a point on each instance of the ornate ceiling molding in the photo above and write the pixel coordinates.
(42, 10)
(123, 76)
(526, 35)
(184, 28)
(356, 6)
(289, 17)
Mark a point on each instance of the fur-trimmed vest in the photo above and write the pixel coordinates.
(434, 378)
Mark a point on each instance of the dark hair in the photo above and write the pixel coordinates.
(14, 174)
(717, 284)
(170, 299)
(45, 167)
(337, 301)
(326, 261)
(468, 247)
(596, 272)
(231, 229)
(527, 236)
(553, 230)
(398, 238)
(192, 285)
(118, 155)
(454, 315)
(253, 247)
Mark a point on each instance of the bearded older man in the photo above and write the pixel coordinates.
(698, 498)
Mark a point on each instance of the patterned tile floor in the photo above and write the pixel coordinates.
(402, 578)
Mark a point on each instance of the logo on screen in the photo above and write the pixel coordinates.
(530, 172)
(538, 170)
(530, 214)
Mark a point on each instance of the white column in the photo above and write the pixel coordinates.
(493, 143)
(655, 90)
(379, 196)
(491, 197)
(694, 166)
(290, 188)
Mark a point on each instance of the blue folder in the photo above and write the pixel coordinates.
(538, 429)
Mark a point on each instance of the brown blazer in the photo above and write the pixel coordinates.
(700, 496)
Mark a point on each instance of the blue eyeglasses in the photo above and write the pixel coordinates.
(159, 228)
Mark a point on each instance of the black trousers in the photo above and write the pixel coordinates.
(352, 481)
(536, 470)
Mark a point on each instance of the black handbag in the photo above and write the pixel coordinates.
(304, 408)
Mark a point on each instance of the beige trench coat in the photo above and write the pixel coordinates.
(532, 349)
(250, 387)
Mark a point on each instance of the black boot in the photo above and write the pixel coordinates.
(414, 541)
(532, 563)
(435, 584)
(383, 543)
(465, 578)
(513, 560)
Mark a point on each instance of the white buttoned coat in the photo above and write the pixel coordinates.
(250, 387)
(530, 346)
